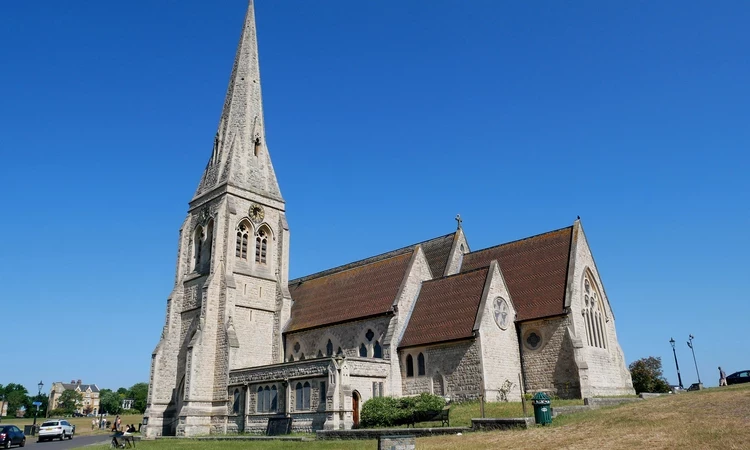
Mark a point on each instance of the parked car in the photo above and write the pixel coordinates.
(59, 429)
(742, 376)
(11, 435)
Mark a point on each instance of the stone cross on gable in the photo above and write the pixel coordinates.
(459, 220)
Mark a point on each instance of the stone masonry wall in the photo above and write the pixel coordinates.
(501, 360)
(459, 363)
(603, 370)
(549, 367)
(348, 336)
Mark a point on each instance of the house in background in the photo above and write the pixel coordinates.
(89, 392)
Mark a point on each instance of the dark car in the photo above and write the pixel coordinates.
(11, 435)
(739, 377)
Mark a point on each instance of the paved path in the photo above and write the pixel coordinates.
(76, 442)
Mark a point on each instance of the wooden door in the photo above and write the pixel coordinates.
(355, 408)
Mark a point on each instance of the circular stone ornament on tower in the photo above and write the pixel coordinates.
(256, 213)
(502, 313)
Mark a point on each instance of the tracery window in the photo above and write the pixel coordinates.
(420, 364)
(243, 233)
(363, 351)
(409, 366)
(261, 246)
(329, 348)
(594, 316)
(377, 350)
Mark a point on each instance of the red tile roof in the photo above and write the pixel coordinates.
(535, 270)
(446, 309)
(352, 293)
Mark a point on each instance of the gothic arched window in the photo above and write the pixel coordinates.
(363, 351)
(298, 397)
(409, 366)
(329, 348)
(266, 399)
(420, 364)
(302, 394)
(259, 401)
(236, 404)
(197, 247)
(377, 350)
(243, 233)
(274, 399)
(306, 396)
(594, 316)
(261, 246)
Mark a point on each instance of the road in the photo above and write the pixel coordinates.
(76, 442)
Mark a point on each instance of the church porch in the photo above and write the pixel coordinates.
(322, 393)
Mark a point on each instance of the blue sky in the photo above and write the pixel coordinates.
(384, 120)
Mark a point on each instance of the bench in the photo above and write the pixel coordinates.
(440, 415)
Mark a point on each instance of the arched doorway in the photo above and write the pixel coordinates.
(355, 408)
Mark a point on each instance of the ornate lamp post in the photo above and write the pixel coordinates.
(39, 394)
(679, 378)
(690, 344)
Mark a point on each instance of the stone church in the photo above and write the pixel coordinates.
(242, 343)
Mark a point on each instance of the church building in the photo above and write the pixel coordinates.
(242, 343)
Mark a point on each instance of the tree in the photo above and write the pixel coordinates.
(109, 402)
(17, 396)
(647, 375)
(44, 403)
(139, 393)
(69, 401)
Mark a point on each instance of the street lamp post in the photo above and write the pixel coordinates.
(690, 344)
(39, 394)
(679, 378)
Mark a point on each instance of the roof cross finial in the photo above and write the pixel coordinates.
(459, 220)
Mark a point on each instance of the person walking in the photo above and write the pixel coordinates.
(722, 377)
(93, 423)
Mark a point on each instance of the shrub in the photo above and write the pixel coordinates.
(382, 412)
(389, 411)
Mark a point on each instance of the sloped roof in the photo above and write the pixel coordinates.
(436, 251)
(359, 291)
(84, 387)
(446, 309)
(361, 288)
(535, 270)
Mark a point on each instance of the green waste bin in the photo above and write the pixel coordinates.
(542, 408)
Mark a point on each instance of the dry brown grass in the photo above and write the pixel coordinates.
(83, 424)
(715, 418)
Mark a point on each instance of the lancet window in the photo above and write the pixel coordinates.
(243, 234)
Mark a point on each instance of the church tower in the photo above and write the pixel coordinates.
(230, 299)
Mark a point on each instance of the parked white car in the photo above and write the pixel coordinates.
(59, 429)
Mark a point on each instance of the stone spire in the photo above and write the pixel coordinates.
(239, 157)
